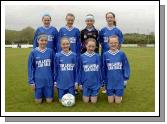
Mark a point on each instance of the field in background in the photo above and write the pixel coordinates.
(139, 94)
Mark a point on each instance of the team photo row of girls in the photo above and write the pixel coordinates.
(70, 59)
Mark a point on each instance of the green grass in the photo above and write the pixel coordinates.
(139, 94)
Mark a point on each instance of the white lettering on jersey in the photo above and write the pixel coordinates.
(72, 39)
(43, 63)
(91, 67)
(67, 67)
(50, 37)
(105, 39)
(114, 66)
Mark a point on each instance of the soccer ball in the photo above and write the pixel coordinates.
(68, 100)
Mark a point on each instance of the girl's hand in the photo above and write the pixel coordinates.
(76, 85)
(103, 89)
(55, 84)
(125, 84)
(32, 86)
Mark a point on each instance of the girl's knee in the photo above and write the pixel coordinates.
(85, 99)
(110, 99)
(49, 100)
(60, 100)
(118, 99)
(38, 101)
(94, 99)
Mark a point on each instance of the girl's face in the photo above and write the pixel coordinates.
(113, 43)
(65, 45)
(46, 21)
(42, 42)
(70, 21)
(110, 19)
(90, 46)
(89, 23)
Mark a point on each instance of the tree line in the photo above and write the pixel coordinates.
(25, 36)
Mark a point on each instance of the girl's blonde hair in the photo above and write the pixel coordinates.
(64, 38)
(113, 36)
(42, 35)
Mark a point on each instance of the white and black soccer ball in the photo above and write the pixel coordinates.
(68, 100)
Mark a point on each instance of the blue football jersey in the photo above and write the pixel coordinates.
(74, 36)
(52, 34)
(116, 69)
(90, 71)
(105, 33)
(40, 67)
(65, 69)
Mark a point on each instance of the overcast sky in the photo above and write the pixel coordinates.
(130, 19)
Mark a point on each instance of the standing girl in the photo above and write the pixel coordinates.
(108, 31)
(50, 31)
(89, 32)
(72, 33)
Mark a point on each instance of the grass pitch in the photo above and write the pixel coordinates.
(139, 94)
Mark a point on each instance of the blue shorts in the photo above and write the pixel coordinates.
(90, 92)
(46, 92)
(116, 92)
(62, 92)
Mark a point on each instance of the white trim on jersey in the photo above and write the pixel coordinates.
(42, 51)
(113, 53)
(69, 29)
(88, 54)
(66, 54)
(110, 28)
(46, 27)
(90, 29)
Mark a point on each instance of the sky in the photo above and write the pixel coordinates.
(130, 19)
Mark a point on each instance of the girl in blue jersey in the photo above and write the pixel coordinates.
(116, 70)
(72, 33)
(65, 70)
(50, 31)
(90, 78)
(109, 30)
(40, 73)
